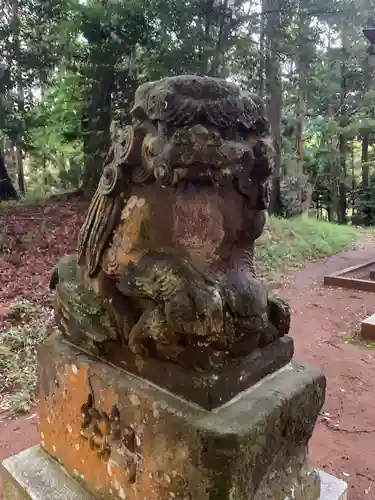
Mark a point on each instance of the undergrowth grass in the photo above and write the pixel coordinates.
(18, 364)
(288, 243)
(355, 338)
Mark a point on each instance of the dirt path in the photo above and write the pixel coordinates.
(16, 435)
(320, 317)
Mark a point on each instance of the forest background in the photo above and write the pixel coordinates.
(69, 69)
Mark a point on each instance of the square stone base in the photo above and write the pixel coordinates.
(332, 488)
(34, 475)
(123, 437)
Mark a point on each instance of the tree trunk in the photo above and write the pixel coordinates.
(342, 204)
(262, 54)
(20, 93)
(7, 191)
(206, 12)
(341, 208)
(302, 64)
(20, 171)
(96, 127)
(364, 160)
(329, 213)
(274, 90)
(9, 159)
(299, 135)
(365, 133)
(341, 214)
(217, 64)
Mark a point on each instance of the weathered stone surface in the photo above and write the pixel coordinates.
(123, 437)
(208, 388)
(34, 475)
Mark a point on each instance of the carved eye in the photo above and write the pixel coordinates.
(166, 99)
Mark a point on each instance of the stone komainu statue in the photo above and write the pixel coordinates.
(165, 262)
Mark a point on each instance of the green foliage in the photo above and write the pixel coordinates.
(365, 207)
(295, 196)
(87, 58)
(55, 136)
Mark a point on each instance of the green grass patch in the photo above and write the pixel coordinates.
(18, 364)
(356, 339)
(288, 243)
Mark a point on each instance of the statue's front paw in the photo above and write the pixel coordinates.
(82, 316)
(64, 270)
(278, 323)
(246, 299)
(185, 300)
(196, 310)
(279, 314)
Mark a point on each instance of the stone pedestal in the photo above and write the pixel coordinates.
(123, 437)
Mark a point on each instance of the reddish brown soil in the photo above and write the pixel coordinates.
(17, 434)
(344, 439)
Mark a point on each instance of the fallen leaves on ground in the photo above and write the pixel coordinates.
(33, 237)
